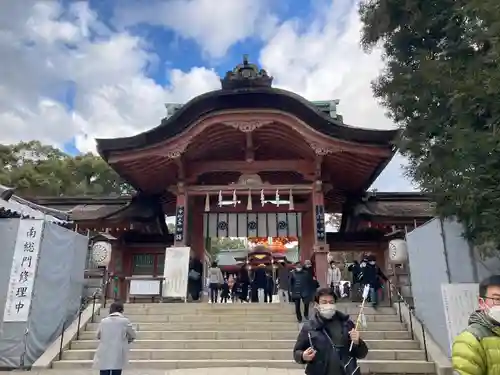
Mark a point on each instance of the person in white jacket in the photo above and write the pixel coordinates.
(334, 278)
(215, 280)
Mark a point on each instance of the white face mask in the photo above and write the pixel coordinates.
(327, 311)
(494, 313)
(299, 269)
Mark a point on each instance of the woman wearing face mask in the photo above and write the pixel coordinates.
(476, 351)
(324, 342)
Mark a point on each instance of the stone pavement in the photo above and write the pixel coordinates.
(198, 371)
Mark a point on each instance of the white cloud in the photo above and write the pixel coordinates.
(323, 60)
(214, 25)
(45, 53)
(50, 53)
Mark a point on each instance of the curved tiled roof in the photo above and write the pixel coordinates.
(248, 98)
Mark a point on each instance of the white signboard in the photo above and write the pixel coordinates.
(144, 287)
(176, 272)
(23, 271)
(460, 301)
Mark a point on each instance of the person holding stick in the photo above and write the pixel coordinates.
(329, 343)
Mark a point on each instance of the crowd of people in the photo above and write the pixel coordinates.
(295, 285)
(475, 350)
(256, 286)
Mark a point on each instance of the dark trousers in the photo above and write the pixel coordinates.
(214, 292)
(336, 290)
(373, 295)
(194, 291)
(356, 292)
(298, 312)
(110, 372)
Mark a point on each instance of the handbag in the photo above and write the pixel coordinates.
(351, 366)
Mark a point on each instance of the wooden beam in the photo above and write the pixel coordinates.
(257, 207)
(181, 170)
(243, 189)
(249, 150)
(304, 167)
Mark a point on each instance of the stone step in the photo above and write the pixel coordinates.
(247, 326)
(232, 354)
(244, 335)
(239, 344)
(235, 318)
(367, 366)
(236, 309)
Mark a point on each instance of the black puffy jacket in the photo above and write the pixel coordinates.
(302, 284)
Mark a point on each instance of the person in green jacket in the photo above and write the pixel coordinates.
(476, 351)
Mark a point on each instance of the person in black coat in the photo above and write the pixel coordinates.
(355, 270)
(372, 275)
(243, 282)
(224, 295)
(259, 284)
(195, 277)
(269, 291)
(303, 287)
(324, 342)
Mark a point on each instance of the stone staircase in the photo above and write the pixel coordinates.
(181, 336)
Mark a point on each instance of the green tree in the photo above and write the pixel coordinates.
(440, 84)
(34, 169)
(171, 227)
(225, 243)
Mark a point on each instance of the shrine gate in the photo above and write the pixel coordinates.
(249, 160)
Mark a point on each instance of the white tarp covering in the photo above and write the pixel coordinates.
(460, 301)
(23, 271)
(57, 290)
(176, 272)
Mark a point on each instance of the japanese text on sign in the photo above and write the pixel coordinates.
(23, 270)
(179, 224)
(320, 223)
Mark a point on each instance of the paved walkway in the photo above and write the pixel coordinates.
(198, 371)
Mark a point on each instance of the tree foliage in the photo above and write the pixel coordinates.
(225, 243)
(441, 84)
(34, 169)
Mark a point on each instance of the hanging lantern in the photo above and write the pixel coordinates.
(262, 198)
(220, 198)
(277, 198)
(291, 206)
(207, 203)
(101, 253)
(398, 251)
(235, 199)
(249, 203)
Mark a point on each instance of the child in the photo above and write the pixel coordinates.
(224, 295)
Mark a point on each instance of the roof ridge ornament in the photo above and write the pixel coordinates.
(246, 75)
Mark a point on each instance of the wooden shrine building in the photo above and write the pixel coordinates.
(247, 160)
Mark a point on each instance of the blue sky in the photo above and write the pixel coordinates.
(79, 70)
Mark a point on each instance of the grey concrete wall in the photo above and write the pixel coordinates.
(438, 255)
(428, 271)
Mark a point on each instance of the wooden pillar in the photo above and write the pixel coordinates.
(181, 217)
(197, 235)
(320, 247)
(307, 235)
